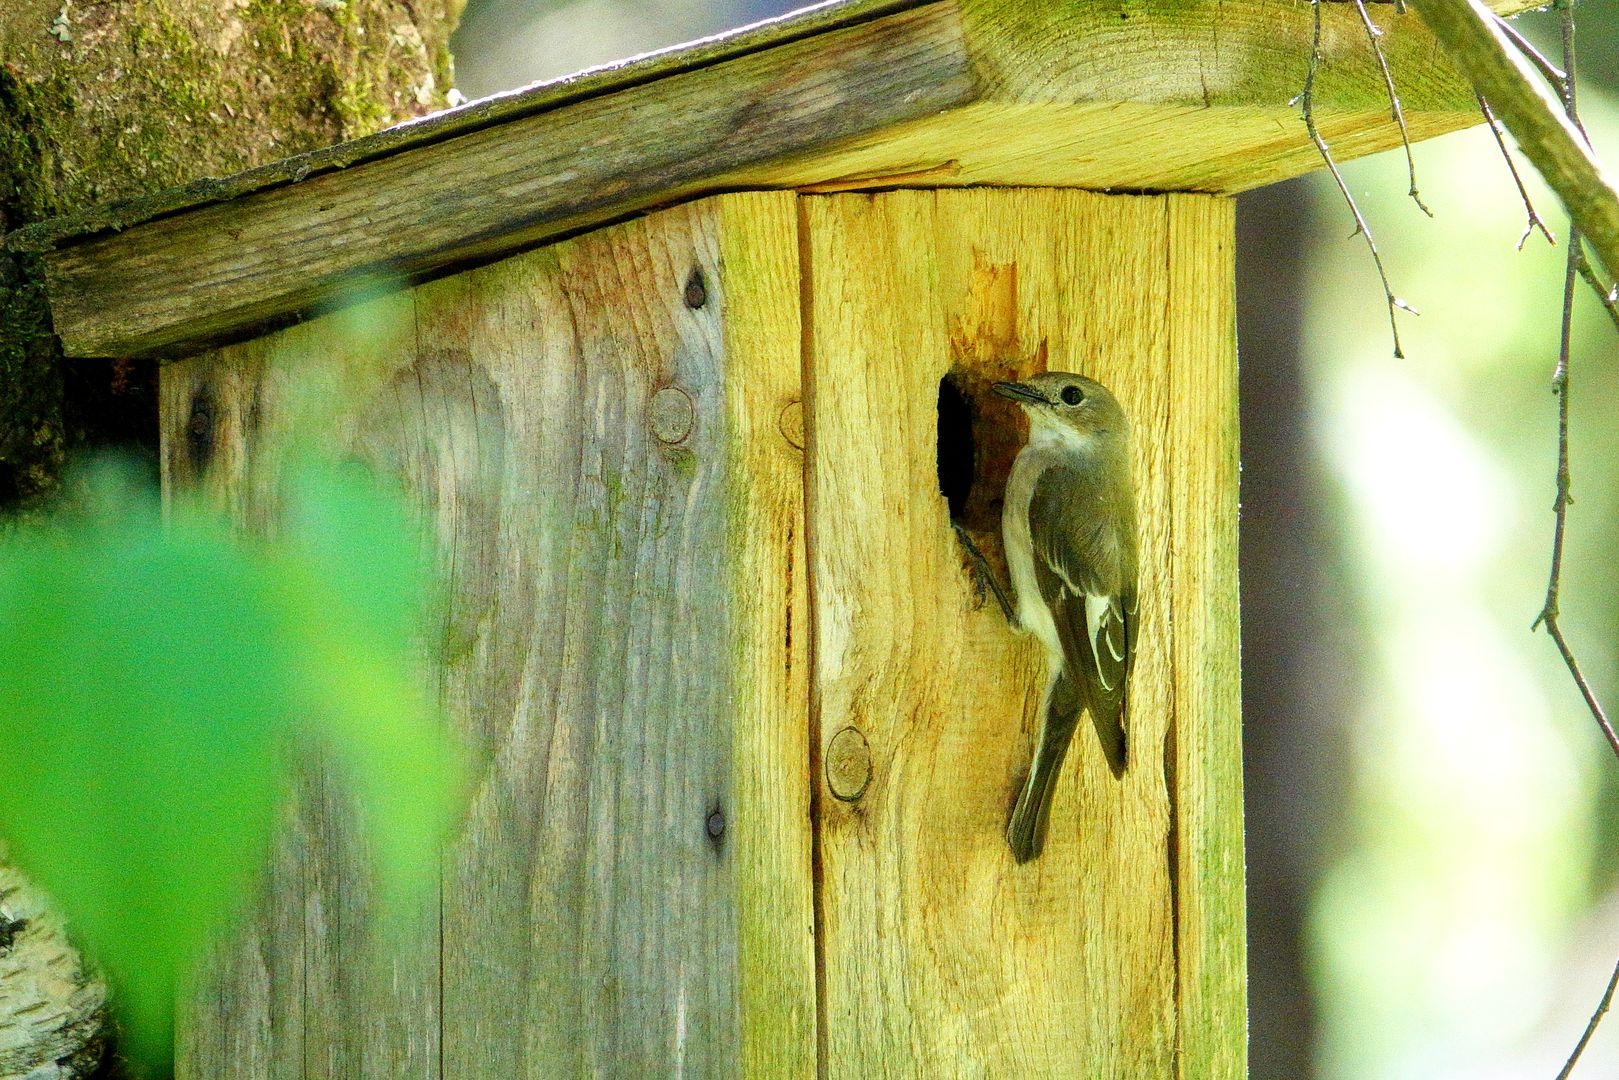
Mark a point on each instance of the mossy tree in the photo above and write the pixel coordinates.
(103, 101)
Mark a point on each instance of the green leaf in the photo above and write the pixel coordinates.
(152, 677)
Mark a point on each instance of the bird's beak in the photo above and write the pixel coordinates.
(1022, 393)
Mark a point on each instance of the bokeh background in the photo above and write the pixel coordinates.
(1431, 812)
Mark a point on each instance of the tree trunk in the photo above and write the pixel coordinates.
(101, 101)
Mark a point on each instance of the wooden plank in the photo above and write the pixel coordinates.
(940, 956)
(499, 108)
(592, 924)
(1146, 95)
(758, 271)
(1205, 755)
(496, 190)
(596, 431)
(242, 1017)
(307, 988)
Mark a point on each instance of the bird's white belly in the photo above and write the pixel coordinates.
(1033, 614)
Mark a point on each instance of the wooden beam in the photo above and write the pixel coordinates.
(1204, 762)
(1136, 95)
(205, 274)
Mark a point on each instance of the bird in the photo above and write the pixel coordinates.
(1069, 527)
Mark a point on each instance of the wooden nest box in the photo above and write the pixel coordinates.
(687, 358)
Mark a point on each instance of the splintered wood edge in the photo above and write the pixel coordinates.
(221, 259)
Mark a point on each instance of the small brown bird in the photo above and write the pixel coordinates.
(1069, 524)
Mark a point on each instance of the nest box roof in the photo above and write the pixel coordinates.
(1119, 95)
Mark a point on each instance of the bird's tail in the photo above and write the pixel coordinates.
(1026, 832)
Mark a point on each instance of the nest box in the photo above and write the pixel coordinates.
(687, 359)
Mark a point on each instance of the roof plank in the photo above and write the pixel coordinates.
(196, 278)
(1104, 94)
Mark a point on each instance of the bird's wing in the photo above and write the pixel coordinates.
(1084, 564)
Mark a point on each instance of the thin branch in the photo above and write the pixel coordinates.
(1591, 1028)
(1552, 73)
(1534, 221)
(1397, 114)
(1473, 38)
(1549, 610)
(1305, 101)
(1560, 386)
(1607, 295)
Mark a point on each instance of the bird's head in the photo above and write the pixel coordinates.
(1065, 404)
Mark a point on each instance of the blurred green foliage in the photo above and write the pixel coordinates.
(158, 676)
(1450, 932)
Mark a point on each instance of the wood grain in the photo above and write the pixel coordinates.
(682, 478)
(1145, 95)
(619, 516)
(307, 988)
(819, 18)
(941, 957)
(1206, 761)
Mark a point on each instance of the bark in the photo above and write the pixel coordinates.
(112, 99)
(53, 1017)
(103, 100)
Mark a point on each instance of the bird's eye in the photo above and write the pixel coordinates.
(1072, 395)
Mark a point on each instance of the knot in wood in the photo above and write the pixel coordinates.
(671, 415)
(791, 423)
(848, 764)
(696, 289)
(200, 430)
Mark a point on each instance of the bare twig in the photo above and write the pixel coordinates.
(1305, 101)
(1397, 114)
(1591, 1028)
(1549, 610)
(1470, 34)
(1552, 73)
(1534, 222)
(1607, 295)
(1560, 386)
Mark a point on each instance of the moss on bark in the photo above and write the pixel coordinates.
(107, 100)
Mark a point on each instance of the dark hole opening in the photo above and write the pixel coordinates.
(957, 452)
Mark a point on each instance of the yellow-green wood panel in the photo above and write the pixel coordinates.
(942, 957)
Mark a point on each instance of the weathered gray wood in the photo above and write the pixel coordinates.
(307, 987)
(500, 108)
(588, 907)
(595, 432)
(1155, 95)
(210, 271)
